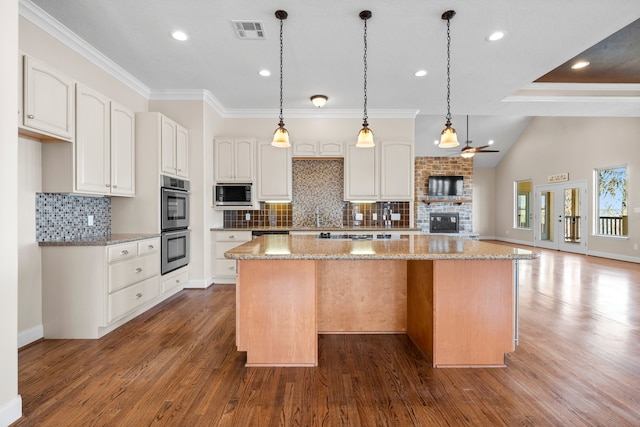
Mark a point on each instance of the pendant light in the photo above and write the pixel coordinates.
(281, 135)
(365, 136)
(448, 137)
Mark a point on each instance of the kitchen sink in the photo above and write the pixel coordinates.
(382, 236)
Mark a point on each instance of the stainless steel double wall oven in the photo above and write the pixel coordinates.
(174, 223)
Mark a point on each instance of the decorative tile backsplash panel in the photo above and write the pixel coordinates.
(65, 217)
(318, 188)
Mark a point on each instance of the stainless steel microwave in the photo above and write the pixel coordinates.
(233, 194)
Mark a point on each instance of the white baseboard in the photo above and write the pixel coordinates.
(198, 284)
(11, 411)
(614, 256)
(515, 241)
(30, 335)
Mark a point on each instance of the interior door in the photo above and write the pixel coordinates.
(560, 220)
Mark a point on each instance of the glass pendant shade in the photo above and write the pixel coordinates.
(448, 137)
(365, 138)
(467, 154)
(281, 137)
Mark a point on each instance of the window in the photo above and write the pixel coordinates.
(523, 204)
(611, 201)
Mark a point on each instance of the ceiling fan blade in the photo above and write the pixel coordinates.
(487, 151)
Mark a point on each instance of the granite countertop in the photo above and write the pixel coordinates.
(111, 239)
(407, 247)
(320, 229)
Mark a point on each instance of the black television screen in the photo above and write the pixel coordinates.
(450, 185)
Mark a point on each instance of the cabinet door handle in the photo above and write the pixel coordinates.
(107, 185)
(115, 186)
(232, 268)
(150, 247)
(138, 295)
(232, 237)
(30, 116)
(124, 252)
(138, 270)
(177, 280)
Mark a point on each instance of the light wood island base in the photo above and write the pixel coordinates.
(458, 313)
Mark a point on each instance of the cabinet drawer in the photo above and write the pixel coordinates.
(232, 236)
(148, 246)
(125, 273)
(222, 247)
(128, 299)
(122, 252)
(176, 281)
(225, 267)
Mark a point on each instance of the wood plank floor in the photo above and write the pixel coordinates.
(577, 364)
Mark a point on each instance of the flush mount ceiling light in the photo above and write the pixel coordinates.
(319, 100)
(264, 73)
(180, 36)
(281, 135)
(365, 136)
(448, 137)
(420, 73)
(494, 37)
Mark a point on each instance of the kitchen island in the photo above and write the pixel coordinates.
(455, 297)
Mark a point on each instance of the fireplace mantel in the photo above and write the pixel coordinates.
(456, 201)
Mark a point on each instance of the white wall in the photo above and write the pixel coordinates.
(484, 200)
(576, 145)
(10, 401)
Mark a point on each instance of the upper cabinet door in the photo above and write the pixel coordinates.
(244, 160)
(123, 149)
(396, 171)
(360, 173)
(182, 152)
(48, 100)
(93, 142)
(274, 173)
(168, 143)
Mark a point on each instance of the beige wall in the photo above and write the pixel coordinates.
(484, 200)
(10, 401)
(576, 145)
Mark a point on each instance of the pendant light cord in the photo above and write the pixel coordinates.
(448, 72)
(281, 73)
(365, 73)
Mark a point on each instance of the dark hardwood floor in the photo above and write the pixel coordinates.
(577, 364)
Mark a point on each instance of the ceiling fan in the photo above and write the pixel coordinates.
(468, 151)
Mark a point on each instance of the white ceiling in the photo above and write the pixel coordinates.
(323, 53)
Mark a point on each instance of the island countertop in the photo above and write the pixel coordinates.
(406, 247)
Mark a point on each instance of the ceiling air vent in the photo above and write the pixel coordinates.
(250, 30)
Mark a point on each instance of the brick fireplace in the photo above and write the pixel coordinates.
(444, 222)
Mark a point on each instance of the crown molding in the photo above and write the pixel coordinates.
(54, 28)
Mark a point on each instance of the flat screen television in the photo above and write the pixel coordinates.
(449, 185)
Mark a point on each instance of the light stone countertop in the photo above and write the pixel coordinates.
(111, 239)
(320, 229)
(408, 247)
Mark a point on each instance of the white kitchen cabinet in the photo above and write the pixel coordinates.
(48, 102)
(380, 173)
(396, 171)
(274, 173)
(102, 160)
(234, 160)
(175, 148)
(224, 270)
(89, 291)
(361, 173)
(318, 149)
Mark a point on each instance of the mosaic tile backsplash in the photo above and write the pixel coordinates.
(65, 217)
(318, 187)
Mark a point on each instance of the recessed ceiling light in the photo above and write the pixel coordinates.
(490, 142)
(436, 142)
(495, 36)
(264, 73)
(180, 36)
(420, 73)
(580, 64)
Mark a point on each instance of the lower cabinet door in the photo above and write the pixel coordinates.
(128, 299)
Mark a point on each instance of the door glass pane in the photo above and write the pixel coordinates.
(546, 215)
(523, 204)
(572, 224)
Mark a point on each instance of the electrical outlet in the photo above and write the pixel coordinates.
(374, 217)
(247, 216)
(90, 220)
(635, 246)
(395, 217)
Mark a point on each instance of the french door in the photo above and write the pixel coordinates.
(560, 218)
